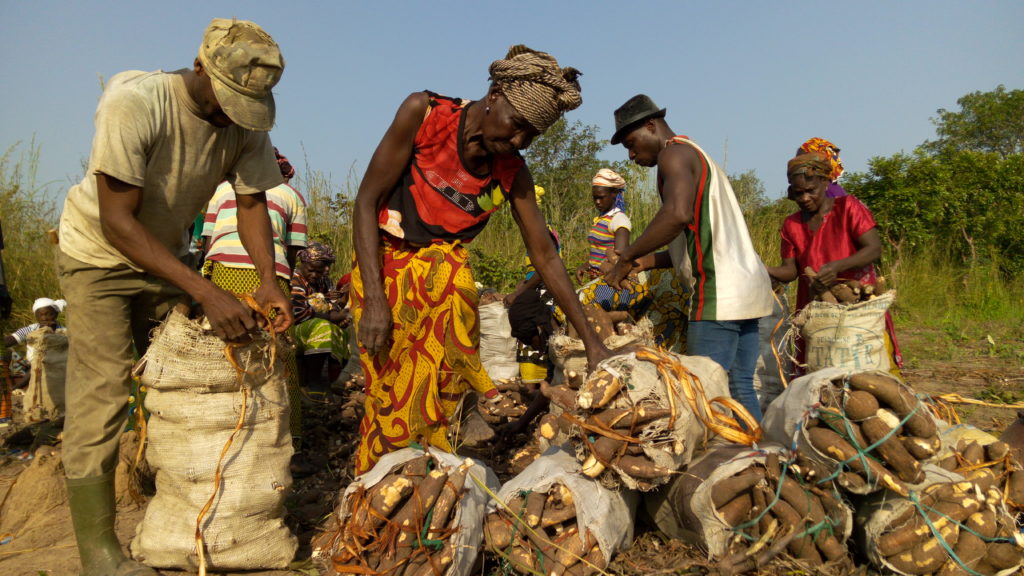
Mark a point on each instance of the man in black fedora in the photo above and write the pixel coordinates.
(708, 242)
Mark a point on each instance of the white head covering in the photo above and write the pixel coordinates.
(57, 305)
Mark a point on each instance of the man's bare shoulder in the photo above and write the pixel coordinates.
(676, 157)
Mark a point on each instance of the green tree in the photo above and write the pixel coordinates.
(986, 122)
(750, 192)
(970, 202)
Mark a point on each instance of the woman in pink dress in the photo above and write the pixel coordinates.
(836, 237)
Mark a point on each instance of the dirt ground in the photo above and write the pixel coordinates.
(43, 543)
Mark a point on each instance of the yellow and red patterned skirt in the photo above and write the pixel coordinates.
(414, 387)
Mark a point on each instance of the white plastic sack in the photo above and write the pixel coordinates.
(685, 509)
(851, 337)
(497, 345)
(468, 514)
(607, 514)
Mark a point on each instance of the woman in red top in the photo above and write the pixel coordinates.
(443, 166)
(836, 237)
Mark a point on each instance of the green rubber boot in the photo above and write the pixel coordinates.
(92, 513)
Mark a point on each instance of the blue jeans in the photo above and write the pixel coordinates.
(735, 345)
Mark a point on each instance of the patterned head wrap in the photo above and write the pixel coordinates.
(287, 170)
(608, 178)
(536, 86)
(811, 164)
(829, 150)
(316, 252)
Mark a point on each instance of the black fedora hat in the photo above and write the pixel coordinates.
(635, 111)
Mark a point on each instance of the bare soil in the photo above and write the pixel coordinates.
(32, 495)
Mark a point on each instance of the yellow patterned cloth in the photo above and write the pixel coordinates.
(669, 309)
(658, 294)
(413, 389)
(241, 281)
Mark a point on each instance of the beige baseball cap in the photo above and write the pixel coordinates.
(244, 64)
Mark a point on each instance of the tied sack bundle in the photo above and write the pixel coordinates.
(867, 430)
(44, 398)
(967, 449)
(637, 419)
(952, 527)
(847, 336)
(744, 506)
(219, 442)
(553, 520)
(414, 513)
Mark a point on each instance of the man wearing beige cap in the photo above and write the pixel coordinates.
(164, 141)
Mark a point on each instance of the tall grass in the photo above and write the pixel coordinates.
(967, 304)
(329, 213)
(26, 215)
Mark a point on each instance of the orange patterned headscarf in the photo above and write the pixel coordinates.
(829, 150)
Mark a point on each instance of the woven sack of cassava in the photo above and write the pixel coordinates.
(551, 519)
(773, 359)
(637, 419)
(952, 526)
(847, 336)
(44, 398)
(966, 448)
(570, 356)
(744, 505)
(867, 430)
(497, 345)
(220, 445)
(414, 513)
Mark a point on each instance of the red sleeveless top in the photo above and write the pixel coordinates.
(438, 199)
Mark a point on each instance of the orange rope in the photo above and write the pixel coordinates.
(728, 427)
(240, 373)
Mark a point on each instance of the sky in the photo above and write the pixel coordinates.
(749, 81)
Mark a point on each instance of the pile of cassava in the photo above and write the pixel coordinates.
(843, 466)
(638, 418)
(845, 291)
(414, 514)
(552, 520)
(925, 504)
(746, 505)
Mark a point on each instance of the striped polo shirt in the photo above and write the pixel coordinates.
(287, 210)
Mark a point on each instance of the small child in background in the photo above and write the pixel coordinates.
(46, 311)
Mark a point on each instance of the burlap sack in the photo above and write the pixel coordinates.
(569, 355)
(195, 401)
(851, 337)
(497, 345)
(44, 398)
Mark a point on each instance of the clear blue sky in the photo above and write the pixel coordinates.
(753, 78)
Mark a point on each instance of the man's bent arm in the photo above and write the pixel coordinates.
(119, 205)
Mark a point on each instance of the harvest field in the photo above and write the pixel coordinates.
(44, 542)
